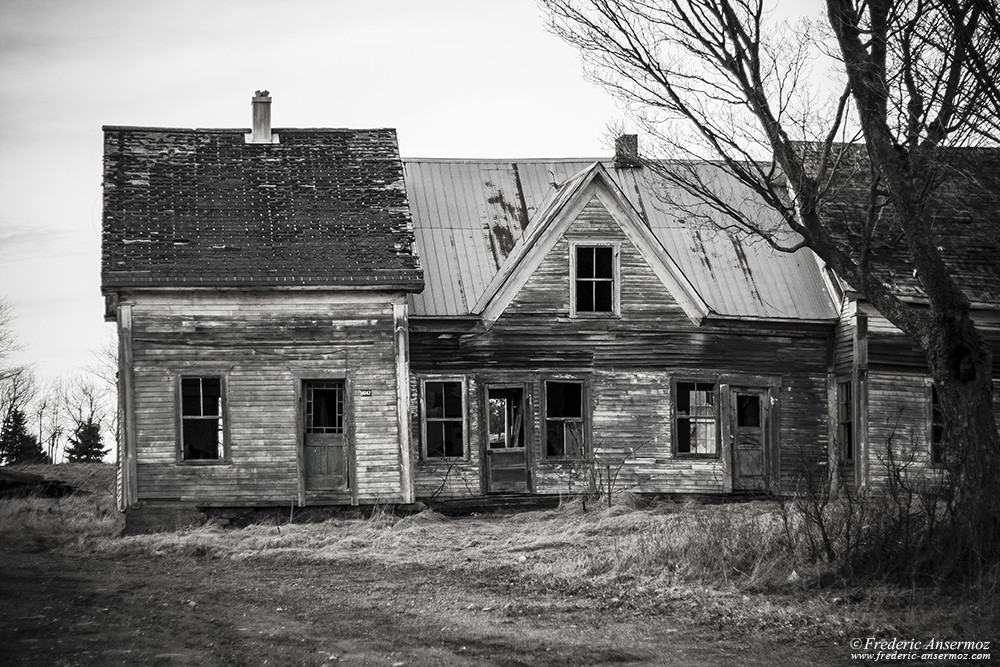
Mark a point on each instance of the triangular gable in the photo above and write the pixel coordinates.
(556, 216)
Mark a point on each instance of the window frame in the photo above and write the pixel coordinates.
(464, 419)
(845, 455)
(584, 420)
(676, 416)
(226, 457)
(615, 247)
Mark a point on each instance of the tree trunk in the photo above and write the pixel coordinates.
(961, 365)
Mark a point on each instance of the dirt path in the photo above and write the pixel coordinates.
(60, 610)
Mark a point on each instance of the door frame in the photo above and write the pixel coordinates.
(770, 389)
(319, 497)
(526, 388)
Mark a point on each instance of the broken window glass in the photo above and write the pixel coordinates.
(201, 419)
(564, 433)
(696, 419)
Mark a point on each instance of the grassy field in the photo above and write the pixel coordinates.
(730, 569)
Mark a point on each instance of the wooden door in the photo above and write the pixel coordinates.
(325, 447)
(506, 458)
(749, 414)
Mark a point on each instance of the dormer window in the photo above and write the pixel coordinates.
(594, 284)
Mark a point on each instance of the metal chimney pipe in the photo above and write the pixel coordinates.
(261, 103)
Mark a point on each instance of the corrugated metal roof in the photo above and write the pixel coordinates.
(468, 214)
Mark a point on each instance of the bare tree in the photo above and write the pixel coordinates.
(859, 178)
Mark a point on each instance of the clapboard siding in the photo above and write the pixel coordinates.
(264, 345)
(628, 364)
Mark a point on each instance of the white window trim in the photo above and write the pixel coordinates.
(616, 247)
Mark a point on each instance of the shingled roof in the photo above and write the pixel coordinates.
(321, 207)
(963, 204)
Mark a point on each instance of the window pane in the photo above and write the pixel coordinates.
(602, 297)
(434, 398)
(584, 262)
(452, 399)
(436, 439)
(211, 396)
(683, 435)
(748, 410)
(498, 422)
(191, 396)
(702, 437)
(554, 440)
(327, 409)
(564, 400)
(202, 439)
(453, 438)
(603, 263)
(573, 439)
(584, 296)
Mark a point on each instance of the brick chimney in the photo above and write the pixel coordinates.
(627, 151)
(261, 132)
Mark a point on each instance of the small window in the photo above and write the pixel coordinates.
(325, 406)
(748, 410)
(845, 421)
(937, 428)
(595, 272)
(444, 419)
(564, 430)
(202, 424)
(696, 419)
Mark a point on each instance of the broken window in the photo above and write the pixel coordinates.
(594, 279)
(325, 406)
(937, 428)
(696, 419)
(845, 421)
(444, 419)
(202, 434)
(748, 410)
(564, 431)
(506, 417)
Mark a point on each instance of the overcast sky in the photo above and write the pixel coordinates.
(456, 78)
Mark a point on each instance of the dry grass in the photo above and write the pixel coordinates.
(716, 564)
(87, 516)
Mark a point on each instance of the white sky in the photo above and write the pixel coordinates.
(456, 78)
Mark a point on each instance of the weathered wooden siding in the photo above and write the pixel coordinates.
(628, 363)
(264, 345)
(898, 425)
(843, 339)
(898, 405)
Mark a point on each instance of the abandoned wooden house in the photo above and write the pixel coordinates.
(306, 319)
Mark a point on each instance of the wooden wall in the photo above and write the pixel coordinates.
(628, 363)
(264, 344)
(898, 401)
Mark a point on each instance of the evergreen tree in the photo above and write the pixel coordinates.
(16, 444)
(86, 443)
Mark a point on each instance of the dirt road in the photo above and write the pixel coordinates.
(88, 610)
